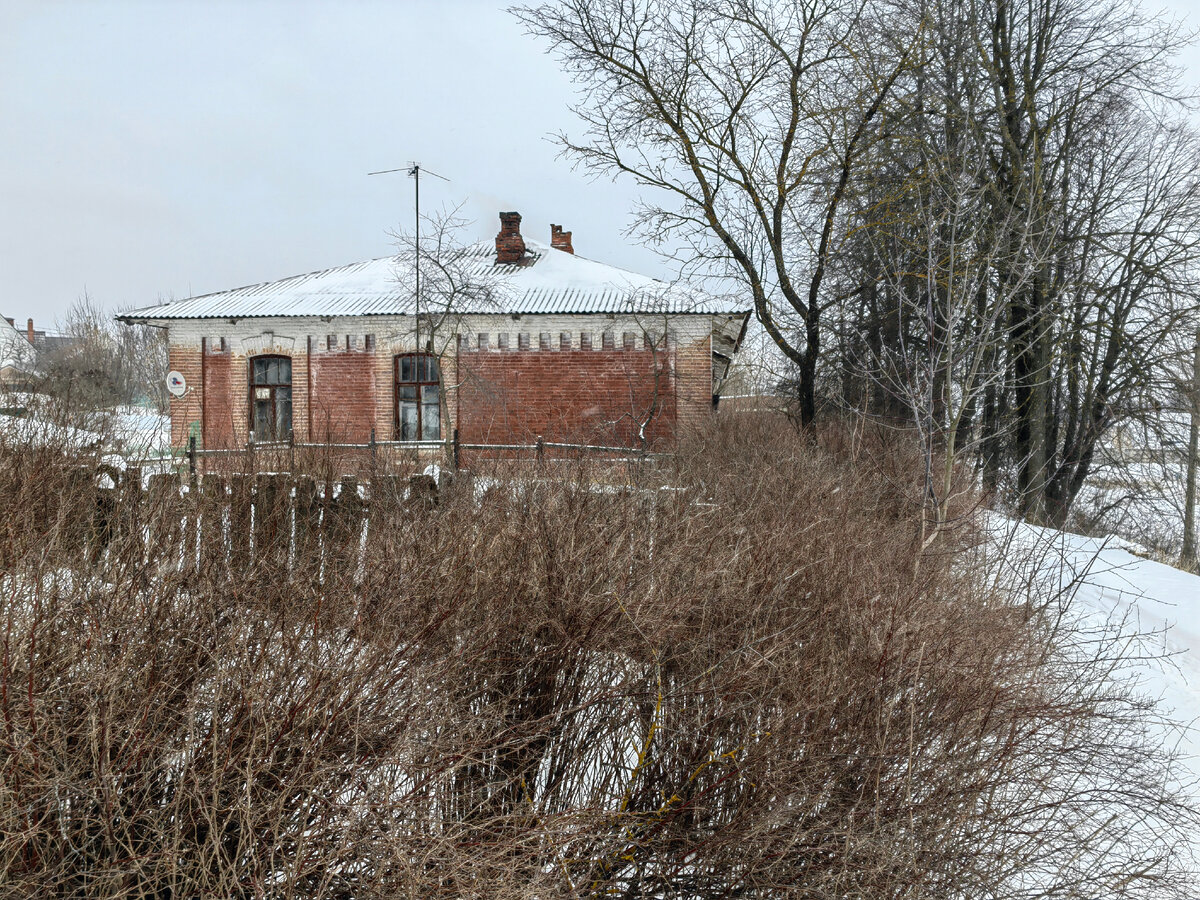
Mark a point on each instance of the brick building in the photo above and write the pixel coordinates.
(511, 342)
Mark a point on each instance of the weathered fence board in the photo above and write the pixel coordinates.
(233, 526)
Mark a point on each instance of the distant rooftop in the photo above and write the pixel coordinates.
(15, 349)
(49, 341)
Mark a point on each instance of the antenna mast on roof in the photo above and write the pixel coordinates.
(413, 169)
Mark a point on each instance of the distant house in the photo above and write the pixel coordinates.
(48, 342)
(17, 353)
(524, 340)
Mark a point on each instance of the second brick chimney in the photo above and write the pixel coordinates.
(560, 240)
(510, 246)
(29, 327)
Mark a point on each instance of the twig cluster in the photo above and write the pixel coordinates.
(723, 676)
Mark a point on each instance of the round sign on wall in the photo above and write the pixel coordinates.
(176, 383)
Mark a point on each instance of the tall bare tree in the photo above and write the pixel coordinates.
(1057, 125)
(1188, 556)
(751, 118)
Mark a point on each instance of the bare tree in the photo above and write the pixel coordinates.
(1080, 113)
(99, 364)
(797, 150)
(937, 261)
(1188, 556)
(447, 279)
(1057, 126)
(751, 118)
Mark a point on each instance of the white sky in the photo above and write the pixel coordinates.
(166, 148)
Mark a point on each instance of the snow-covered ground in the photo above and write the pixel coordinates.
(1141, 500)
(140, 433)
(35, 431)
(124, 434)
(1111, 586)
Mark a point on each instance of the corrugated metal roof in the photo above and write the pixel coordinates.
(547, 281)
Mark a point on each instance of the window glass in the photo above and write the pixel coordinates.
(262, 417)
(431, 422)
(418, 392)
(283, 412)
(270, 398)
(408, 421)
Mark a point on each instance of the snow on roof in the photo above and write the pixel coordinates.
(547, 281)
(15, 349)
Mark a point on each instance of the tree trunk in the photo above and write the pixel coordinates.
(1031, 364)
(1189, 508)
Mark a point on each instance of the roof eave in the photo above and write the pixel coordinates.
(737, 345)
(165, 321)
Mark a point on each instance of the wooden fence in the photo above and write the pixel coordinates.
(377, 456)
(286, 525)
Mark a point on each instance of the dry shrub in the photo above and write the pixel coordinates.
(725, 675)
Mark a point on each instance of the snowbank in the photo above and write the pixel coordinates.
(1110, 586)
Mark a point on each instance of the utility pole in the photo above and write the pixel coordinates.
(413, 170)
(1189, 503)
(415, 174)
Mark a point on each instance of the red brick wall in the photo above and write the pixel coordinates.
(220, 407)
(592, 396)
(342, 405)
(186, 409)
(694, 370)
(493, 396)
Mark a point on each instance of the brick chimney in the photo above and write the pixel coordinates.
(510, 246)
(29, 329)
(560, 240)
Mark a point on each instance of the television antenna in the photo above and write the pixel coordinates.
(414, 170)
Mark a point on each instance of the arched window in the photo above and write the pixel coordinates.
(418, 398)
(270, 398)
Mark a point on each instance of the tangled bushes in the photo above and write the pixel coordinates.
(726, 677)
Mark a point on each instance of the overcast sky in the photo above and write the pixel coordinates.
(165, 148)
